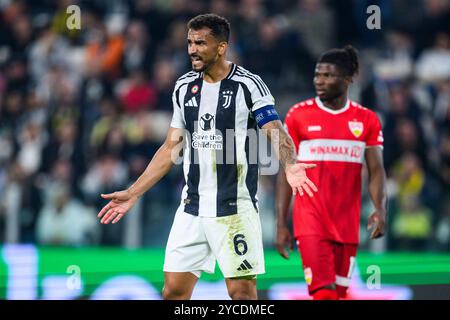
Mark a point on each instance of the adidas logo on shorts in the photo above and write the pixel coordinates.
(245, 265)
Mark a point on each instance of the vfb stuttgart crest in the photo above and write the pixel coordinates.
(356, 128)
(227, 95)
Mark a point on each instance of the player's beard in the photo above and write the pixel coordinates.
(330, 96)
(206, 65)
(202, 68)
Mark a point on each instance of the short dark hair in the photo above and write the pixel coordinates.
(220, 27)
(346, 58)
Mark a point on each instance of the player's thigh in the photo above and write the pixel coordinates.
(318, 262)
(236, 241)
(345, 260)
(187, 248)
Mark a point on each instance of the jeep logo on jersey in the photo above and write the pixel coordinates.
(227, 95)
(207, 121)
(356, 128)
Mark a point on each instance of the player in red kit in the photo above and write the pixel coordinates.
(336, 134)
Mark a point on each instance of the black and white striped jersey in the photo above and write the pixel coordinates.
(220, 157)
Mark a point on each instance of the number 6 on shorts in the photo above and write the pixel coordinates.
(237, 240)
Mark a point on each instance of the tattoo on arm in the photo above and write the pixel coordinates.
(281, 142)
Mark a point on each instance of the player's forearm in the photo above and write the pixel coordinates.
(287, 155)
(377, 178)
(282, 199)
(377, 190)
(156, 169)
(281, 142)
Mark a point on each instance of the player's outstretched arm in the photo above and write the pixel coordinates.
(163, 160)
(282, 202)
(377, 190)
(285, 150)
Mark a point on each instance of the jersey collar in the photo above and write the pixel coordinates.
(232, 71)
(322, 106)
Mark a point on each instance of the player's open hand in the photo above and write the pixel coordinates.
(297, 179)
(284, 239)
(377, 221)
(121, 202)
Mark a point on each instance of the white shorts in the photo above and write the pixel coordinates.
(196, 242)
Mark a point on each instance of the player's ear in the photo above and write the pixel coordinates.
(223, 48)
(348, 79)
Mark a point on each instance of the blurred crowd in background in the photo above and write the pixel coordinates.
(83, 111)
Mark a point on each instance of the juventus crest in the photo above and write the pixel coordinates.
(227, 95)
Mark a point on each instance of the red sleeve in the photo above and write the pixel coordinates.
(375, 136)
(292, 128)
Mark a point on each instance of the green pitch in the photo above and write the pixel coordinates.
(97, 265)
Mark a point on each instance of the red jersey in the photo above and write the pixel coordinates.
(335, 140)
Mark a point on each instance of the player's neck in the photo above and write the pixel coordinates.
(218, 71)
(336, 103)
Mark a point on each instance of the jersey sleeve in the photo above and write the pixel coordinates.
(177, 118)
(375, 136)
(292, 129)
(260, 94)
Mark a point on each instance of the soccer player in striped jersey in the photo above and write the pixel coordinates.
(336, 134)
(217, 109)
